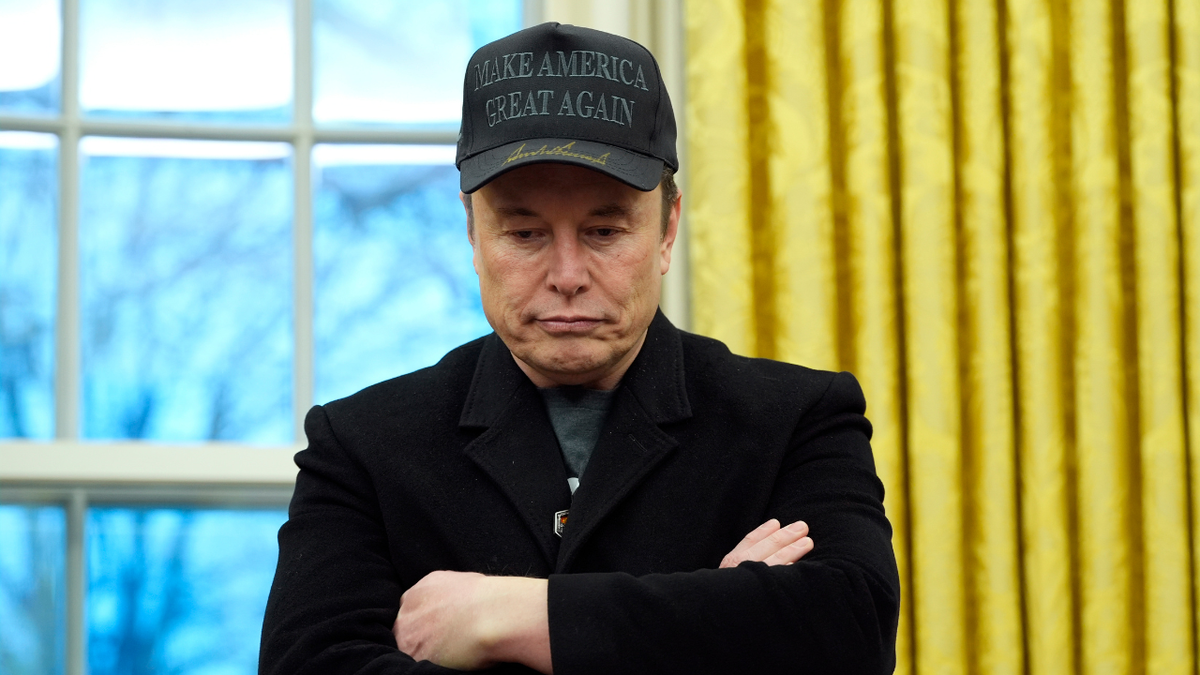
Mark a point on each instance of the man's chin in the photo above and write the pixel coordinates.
(573, 368)
(573, 372)
(589, 360)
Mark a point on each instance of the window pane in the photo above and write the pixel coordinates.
(213, 60)
(186, 278)
(30, 51)
(178, 590)
(400, 62)
(28, 279)
(33, 544)
(395, 289)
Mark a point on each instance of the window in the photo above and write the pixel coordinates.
(212, 216)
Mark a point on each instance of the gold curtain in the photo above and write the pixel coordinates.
(988, 211)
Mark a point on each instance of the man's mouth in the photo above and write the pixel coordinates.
(563, 324)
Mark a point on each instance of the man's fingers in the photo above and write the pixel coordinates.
(758, 534)
(791, 553)
(777, 541)
(739, 552)
(771, 544)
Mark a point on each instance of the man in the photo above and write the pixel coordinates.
(585, 490)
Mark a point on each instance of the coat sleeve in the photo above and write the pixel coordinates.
(336, 592)
(835, 610)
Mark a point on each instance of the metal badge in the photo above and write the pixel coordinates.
(560, 521)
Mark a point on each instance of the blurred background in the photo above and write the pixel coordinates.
(214, 215)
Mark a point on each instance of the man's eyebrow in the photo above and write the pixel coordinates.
(612, 210)
(517, 211)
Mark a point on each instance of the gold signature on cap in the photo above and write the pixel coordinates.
(556, 151)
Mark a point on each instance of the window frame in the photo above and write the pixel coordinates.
(69, 127)
(75, 473)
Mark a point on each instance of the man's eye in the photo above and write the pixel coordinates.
(606, 231)
(524, 234)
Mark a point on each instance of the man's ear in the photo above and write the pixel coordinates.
(668, 240)
(469, 208)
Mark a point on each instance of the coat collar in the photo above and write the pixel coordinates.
(520, 453)
(656, 376)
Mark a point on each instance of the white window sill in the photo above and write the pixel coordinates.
(126, 463)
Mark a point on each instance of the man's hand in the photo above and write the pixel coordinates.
(772, 545)
(469, 621)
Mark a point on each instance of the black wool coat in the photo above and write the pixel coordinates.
(456, 467)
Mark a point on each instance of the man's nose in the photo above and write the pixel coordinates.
(568, 268)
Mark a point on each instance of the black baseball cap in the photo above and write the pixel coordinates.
(565, 94)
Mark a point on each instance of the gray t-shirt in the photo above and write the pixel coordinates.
(577, 415)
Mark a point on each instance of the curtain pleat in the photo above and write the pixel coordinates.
(798, 176)
(929, 291)
(1186, 99)
(985, 346)
(1037, 141)
(719, 175)
(863, 177)
(1108, 571)
(1163, 456)
(989, 212)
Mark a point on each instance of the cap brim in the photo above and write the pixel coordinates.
(632, 168)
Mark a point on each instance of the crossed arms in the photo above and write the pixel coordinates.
(468, 621)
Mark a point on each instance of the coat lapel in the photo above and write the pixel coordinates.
(518, 451)
(653, 392)
(521, 455)
(629, 448)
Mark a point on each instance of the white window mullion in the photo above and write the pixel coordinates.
(230, 132)
(67, 369)
(351, 135)
(39, 125)
(76, 583)
(67, 349)
(303, 281)
(302, 227)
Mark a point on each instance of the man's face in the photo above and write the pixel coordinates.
(570, 266)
